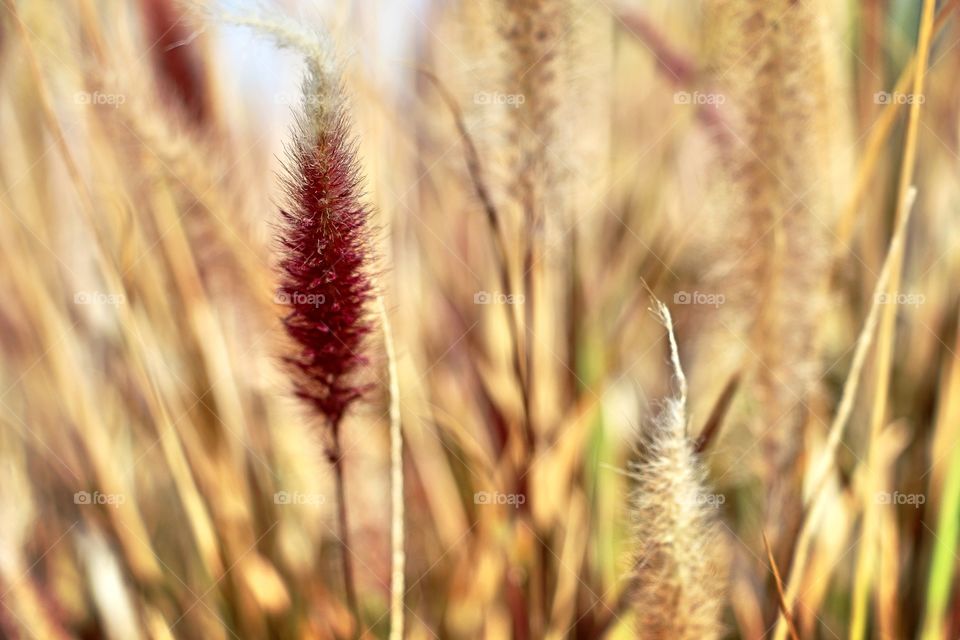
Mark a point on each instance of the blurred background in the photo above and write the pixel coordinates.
(748, 163)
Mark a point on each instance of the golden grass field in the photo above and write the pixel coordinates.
(479, 319)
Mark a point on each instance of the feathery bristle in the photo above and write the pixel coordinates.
(325, 253)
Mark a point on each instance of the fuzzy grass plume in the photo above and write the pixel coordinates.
(771, 61)
(676, 580)
(324, 266)
(324, 237)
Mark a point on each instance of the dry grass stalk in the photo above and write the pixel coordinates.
(781, 599)
(887, 330)
(398, 556)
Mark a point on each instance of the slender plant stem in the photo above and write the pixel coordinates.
(781, 597)
(397, 586)
(345, 550)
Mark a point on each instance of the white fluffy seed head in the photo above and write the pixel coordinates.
(676, 574)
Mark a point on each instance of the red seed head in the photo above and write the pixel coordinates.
(325, 277)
